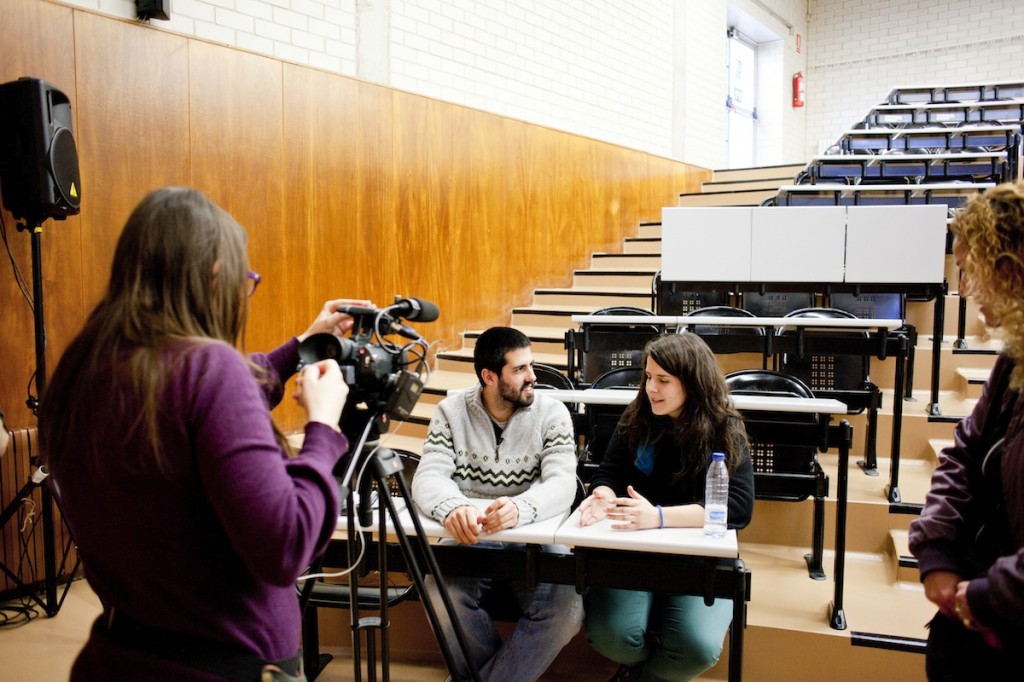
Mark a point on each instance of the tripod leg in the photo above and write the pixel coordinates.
(387, 463)
(50, 604)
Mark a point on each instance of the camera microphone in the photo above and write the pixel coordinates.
(415, 309)
(355, 310)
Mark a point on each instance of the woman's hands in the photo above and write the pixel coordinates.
(634, 512)
(940, 589)
(321, 391)
(596, 506)
(948, 591)
(629, 513)
(329, 321)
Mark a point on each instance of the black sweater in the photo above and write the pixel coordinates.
(618, 470)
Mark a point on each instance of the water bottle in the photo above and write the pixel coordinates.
(716, 497)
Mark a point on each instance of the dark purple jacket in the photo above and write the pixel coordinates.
(943, 538)
(214, 550)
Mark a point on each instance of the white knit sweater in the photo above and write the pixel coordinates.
(534, 463)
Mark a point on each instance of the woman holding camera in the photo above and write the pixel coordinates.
(192, 520)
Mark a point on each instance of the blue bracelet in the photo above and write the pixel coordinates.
(661, 515)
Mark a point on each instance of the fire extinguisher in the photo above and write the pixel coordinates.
(798, 89)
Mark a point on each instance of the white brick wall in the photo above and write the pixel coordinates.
(859, 51)
(320, 33)
(647, 74)
(597, 69)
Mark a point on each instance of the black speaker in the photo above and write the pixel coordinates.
(153, 9)
(38, 159)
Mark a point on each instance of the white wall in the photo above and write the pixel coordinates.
(597, 69)
(859, 51)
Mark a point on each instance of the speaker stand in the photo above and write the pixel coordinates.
(50, 602)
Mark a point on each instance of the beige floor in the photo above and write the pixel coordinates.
(43, 650)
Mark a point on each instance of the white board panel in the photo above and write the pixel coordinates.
(705, 244)
(897, 244)
(798, 243)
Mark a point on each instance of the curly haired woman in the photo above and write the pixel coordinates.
(969, 538)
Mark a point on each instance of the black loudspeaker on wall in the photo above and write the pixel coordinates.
(38, 159)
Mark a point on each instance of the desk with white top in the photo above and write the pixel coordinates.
(820, 434)
(670, 560)
(743, 403)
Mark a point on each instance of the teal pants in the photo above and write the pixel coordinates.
(669, 638)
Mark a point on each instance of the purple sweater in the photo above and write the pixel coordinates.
(942, 537)
(213, 552)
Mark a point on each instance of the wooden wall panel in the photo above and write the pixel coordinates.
(417, 252)
(346, 188)
(321, 131)
(134, 132)
(484, 255)
(237, 158)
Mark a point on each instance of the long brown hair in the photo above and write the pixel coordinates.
(708, 422)
(178, 276)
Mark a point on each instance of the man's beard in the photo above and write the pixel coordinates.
(514, 397)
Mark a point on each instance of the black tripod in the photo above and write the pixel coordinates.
(384, 464)
(39, 478)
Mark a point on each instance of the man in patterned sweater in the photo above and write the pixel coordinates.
(500, 442)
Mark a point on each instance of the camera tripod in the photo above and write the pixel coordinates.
(384, 464)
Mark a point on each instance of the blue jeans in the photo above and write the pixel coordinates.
(690, 634)
(551, 616)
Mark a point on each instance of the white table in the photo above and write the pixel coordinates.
(540, 533)
(753, 403)
(839, 323)
(690, 541)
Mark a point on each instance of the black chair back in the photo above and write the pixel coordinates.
(673, 298)
(826, 372)
(776, 303)
(602, 419)
(769, 458)
(610, 346)
(891, 306)
(718, 330)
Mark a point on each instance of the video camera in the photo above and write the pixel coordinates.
(376, 369)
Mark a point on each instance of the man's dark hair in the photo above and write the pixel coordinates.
(491, 346)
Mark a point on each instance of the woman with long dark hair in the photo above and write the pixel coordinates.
(192, 518)
(652, 476)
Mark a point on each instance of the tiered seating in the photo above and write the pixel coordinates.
(925, 167)
(984, 137)
(924, 144)
(952, 94)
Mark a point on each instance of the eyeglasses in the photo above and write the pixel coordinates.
(254, 281)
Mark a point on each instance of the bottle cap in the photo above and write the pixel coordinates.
(718, 456)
